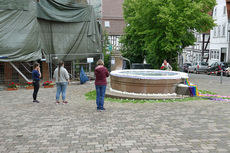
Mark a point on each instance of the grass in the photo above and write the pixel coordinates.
(92, 96)
(211, 93)
(207, 92)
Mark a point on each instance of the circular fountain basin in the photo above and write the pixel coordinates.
(146, 81)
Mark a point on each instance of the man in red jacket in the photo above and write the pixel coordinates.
(101, 74)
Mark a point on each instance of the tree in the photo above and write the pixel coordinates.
(159, 29)
(105, 50)
(132, 47)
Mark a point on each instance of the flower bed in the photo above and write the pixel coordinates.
(12, 86)
(11, 89)
(48, 84)
(29, 85)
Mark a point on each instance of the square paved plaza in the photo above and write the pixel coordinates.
(184, 127)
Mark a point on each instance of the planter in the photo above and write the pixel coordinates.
(30, 87)
(49, 86)
(11, 89)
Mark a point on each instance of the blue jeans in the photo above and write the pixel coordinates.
(61, 88)
(100, 91)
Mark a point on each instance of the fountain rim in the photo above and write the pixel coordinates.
(178, 75)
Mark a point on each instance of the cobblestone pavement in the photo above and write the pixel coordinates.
(211, 83)
(184, 127)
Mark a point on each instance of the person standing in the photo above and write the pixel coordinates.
(101, 74)
(36, 75)
(61, 76)
(166, 66)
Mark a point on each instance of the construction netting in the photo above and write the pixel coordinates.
(19, 35)
(48, 27)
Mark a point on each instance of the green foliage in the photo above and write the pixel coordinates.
(132, 47)
(13, 85)
(105, 50)
(159, 29)
(92, 96)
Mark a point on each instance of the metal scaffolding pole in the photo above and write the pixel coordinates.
(19, 72)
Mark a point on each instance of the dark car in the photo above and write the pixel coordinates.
(141, 66)
(185, 67)
(217, 67)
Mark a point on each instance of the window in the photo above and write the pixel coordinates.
(198, 37)
(107, 24)
(215, 54)
(114, 41)
(223, 30)
(204, 63)
(215, 12)
(218, 31)
(214, 30)
(224, 10)
(223, 50)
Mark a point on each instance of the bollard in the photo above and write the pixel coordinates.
(89, 69)
(221, 76)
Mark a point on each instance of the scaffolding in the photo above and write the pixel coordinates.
(74, 65)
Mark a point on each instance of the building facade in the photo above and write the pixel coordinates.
(192, 54)
(113, 21)
(219, 41)
(213, 45)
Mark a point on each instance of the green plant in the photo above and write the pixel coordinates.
(29, 84)
(48, 83)
(92, 96)
(106, 52)
(13, 85)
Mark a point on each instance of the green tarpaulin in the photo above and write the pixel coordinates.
(14, 4)
(81, 35)
(19, 35)
(60, 29)
(54, 11)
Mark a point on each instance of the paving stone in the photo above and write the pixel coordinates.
(172, 149)
(158, 150)
(183, 127)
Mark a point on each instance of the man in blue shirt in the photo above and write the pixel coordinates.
(36, 75)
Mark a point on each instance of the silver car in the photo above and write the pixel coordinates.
(198, 67)
(227, 70)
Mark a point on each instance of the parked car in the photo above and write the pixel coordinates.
(198, 67)
(141, 66)
(217, 67)
(227, 70)
(185, 67)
